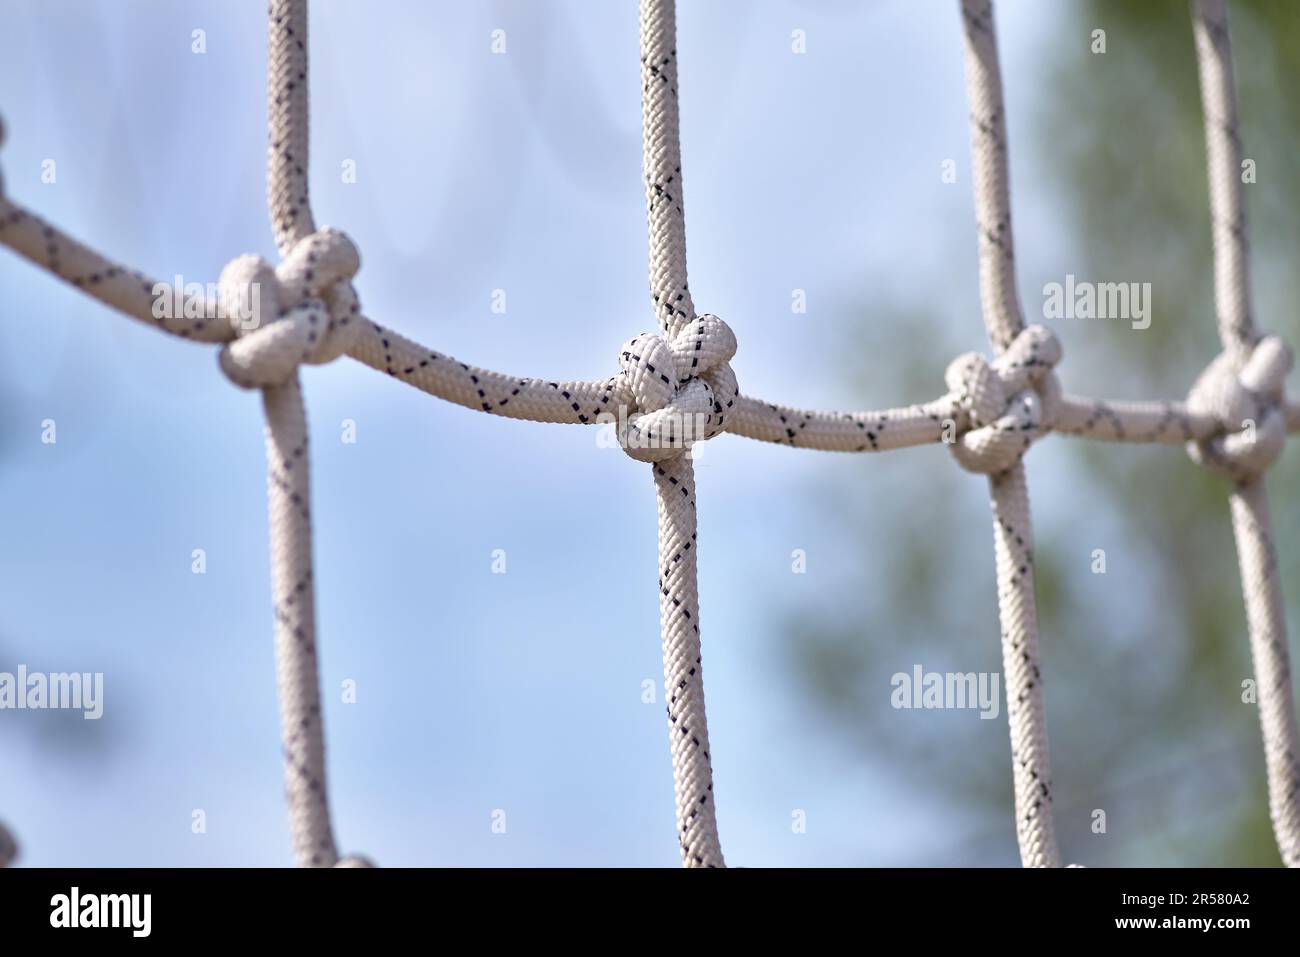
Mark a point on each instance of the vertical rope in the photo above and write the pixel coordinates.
(289, 496)
(289, 508)
(990, 176)
(1251, 527)
(679, 603)
(1266, 622)
(1031, 773)
(288, 121)
(1223, 160)
(679, 620)
(288, 466)
(1012, 530)
(663, 166)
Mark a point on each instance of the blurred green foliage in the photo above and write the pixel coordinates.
(1143, 666)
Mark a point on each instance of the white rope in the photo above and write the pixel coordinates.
(288, 123)
(700, 383)
(267, 357)
(673, 394)
(660, 140)
(677, 387)
(1012, 533)
(1266, 621)
(1007, 403)
(316, 319)
(1223, 160)
(309, 314)
(1243, 390)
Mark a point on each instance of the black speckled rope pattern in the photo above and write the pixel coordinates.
(1013, 536)
(1252, 370)
(675, 477)
(580, 402)
(288, 147)
(586, 402)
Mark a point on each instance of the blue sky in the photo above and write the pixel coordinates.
(475, 172)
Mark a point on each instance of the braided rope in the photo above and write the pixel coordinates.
(679, 602)
(663, 166)
(1246, 383)
(1223, 160)
(288, 123)
(582, 402)
(998, 408)
(271, 363)
(1012, 530)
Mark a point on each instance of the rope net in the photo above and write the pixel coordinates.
(676, 387)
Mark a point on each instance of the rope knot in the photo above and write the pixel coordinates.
(1004, 405)
(672, 394)
(304, 310)
(1245, 398)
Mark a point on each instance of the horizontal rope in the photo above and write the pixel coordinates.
(581, 402)
(1234, 421)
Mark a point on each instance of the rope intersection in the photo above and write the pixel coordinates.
(676, 387)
